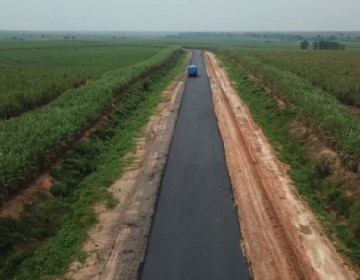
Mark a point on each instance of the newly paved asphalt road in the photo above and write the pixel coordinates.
(195, 234)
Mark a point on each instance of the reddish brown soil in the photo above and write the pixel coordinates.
(354, 109)
(14, 206)
(319, 151)
(41, 186)
(281, 236)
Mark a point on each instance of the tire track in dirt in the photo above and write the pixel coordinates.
(282, 238)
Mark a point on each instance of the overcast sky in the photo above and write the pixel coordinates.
(180, 15)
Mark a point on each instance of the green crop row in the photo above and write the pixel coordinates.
(330, 118)
(29, 142)
(336, 72)
(31, 77)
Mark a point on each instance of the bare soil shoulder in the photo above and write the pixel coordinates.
(282, 237)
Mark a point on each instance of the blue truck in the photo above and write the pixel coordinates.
(192, 70)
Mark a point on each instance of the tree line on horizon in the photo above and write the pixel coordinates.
(322, 45)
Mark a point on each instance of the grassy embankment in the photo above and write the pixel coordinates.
(48, 235)
(339, 213)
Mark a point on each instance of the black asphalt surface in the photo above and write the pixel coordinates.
(195, 233)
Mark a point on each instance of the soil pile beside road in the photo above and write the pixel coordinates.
(282, 238)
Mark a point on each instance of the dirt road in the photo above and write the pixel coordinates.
(282, 238)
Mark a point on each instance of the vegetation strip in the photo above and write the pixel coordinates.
(61, 222)
(30, 142)
(339, 213)
(333, 122)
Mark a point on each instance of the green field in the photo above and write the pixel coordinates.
(36, 73)
(336, 72)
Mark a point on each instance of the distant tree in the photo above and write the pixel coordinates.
(304, 45)
(322, 45)
(315, 45)
(319, 37)
(327, 45)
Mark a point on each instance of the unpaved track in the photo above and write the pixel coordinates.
(195, 234)
(282, 238)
